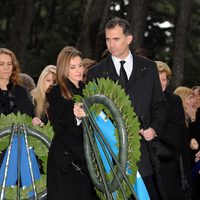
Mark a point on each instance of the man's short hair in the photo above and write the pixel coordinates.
(121, 23)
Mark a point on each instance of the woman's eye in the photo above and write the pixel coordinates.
(72, 67)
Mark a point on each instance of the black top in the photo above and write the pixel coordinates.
(15, 99)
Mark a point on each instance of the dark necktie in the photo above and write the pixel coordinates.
(122, 75)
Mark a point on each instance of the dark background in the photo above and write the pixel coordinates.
(36, 30)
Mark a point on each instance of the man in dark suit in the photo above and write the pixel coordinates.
(139, 77)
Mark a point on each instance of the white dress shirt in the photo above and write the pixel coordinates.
(128, 65)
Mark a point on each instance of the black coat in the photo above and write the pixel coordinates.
(63, 181)
(176, 136)
(194, 132)
(15, 99)
(145, 93)
(194, 127)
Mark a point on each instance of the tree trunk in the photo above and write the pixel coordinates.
(100, 38)
(20, 29)
(184, 10)
(137, 13)
(92, 17)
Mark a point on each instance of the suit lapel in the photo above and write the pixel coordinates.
(109, 68)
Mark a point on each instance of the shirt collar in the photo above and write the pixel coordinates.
(128, 64)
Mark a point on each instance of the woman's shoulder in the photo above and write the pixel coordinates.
(172, 98)
(54, 89)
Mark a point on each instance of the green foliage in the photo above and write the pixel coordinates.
(39, 148)
(113, 91)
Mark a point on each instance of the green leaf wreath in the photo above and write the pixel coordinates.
(39, 148)
(117, 94)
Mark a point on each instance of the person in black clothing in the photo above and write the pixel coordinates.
(174, 137)
(193, 127)
(13, 97)
(139, 78)
(67, 176)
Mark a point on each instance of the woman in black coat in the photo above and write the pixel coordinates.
(175, 136)
(193, 129)
(13, 97)
(67, 176)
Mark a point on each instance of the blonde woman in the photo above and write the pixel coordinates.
(46, 79)
(193, 127)
(174, 136)
(188, 101)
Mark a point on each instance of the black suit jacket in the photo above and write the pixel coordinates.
(144, 90)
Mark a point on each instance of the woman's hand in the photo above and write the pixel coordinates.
(78, 110)
(37, 121)
(194, 144)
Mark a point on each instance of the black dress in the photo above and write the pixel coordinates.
(67, 176)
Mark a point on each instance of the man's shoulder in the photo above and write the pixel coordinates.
(144, 61)
(100, 69)
(102, 64)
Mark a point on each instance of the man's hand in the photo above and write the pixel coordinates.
(149, 134)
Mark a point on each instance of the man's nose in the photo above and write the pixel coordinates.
(112, 44)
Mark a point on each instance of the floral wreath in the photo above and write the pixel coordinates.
(116, 93)
(39, 148)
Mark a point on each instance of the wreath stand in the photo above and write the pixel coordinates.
(20, 161)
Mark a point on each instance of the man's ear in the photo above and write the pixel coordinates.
(129, 39)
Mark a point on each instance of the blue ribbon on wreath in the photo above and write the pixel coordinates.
(25, 173)
(108, 130)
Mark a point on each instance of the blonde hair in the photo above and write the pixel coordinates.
(16, 68)
(63, 62)
(38, 94)
(163, 67)
(184, 92)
